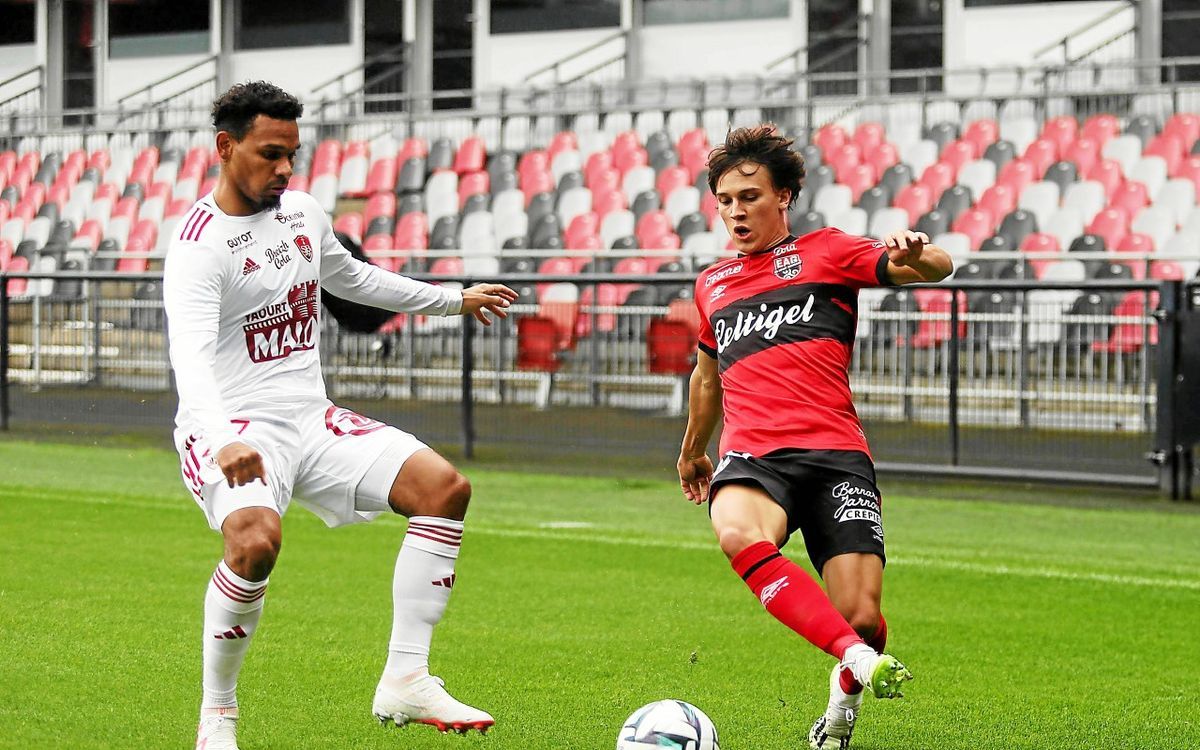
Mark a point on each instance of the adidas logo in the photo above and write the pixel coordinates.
(250, 267)
(772, 589)
(447, 582)
(230, 635)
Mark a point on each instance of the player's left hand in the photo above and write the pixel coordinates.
(478, 300)
(904, 247)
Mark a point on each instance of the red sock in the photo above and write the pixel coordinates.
(794, 598)
(850, 686)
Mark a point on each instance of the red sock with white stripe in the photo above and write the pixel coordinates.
(232, 607)
(420, 590)
(794, 598)
(846, 678)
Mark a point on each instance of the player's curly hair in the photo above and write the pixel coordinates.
(235, 110)
(761, 145)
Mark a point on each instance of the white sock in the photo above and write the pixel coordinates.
(420, 590)
(861, 659)
(232, 607)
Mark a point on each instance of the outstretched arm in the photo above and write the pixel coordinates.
(704, 409)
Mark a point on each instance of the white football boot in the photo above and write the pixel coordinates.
(217, 730)
(834, 728)
(421, 698)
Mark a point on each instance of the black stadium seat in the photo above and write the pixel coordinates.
(804, 223)
(412, 176)
(896, 177)
(933, 223)
(954, 201)
(1017, 226)
(1000, 153)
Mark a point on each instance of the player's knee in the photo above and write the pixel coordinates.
(252, 554)
(454, 497)
(863, 617)
(734, 539)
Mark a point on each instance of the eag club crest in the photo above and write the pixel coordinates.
(787, 267)
(304, 246)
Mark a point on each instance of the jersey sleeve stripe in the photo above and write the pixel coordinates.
(199, 230)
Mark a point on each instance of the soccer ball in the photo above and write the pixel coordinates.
(669, 724)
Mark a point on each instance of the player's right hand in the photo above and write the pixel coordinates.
(241, 464)
(694, 477)
(480, 299)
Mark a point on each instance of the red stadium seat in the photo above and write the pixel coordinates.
(448, 266)
(1062, 130)
(1084, 153)
(859, 179)
(1101, 128)
(881, 157)
(471, 155)
(694, 161)
(564, 140)
(652, 224)
(1135, 242)
(684, 311)
(1132, 333)
(1112, 224)
(608, 295)
(106, 191)
(1131, 196)
(957, 153)
(603, 179)
(1167, 270)
(667, 240)
(694, 139)
(412, 148)
(565, 316)
(350, 223)
(298, 182)
(1184, 126)
(473, 183)
(412, 231)
(624, 161)
(1108, 173)
(869, 135)
(536, 182)
(937, 177)
(537, 344)
(977, 223)
(1041, 154)
(1189, 169)
(843, 159)
(177, 207)
(6, 252)
(830, 138)
(91, 232)
(670, 347)
(982, 133)
(601, 160)
(17, 287)
(1040, 243)
(936, 302)
(669, 179)
(999, 200)
(58, 195)
(607, 201)
(533, 161)
(126, 207)
(916, 199)
(100, 159)
(380, 204)
(382, 176)
(1170, 148)
(560, 265)
(1017, 175)
(626, 141)
(376, 246)
(35, 195)
(583, 225)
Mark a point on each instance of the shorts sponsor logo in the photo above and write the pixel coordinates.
(857, 504)
(280, 255)
(787, 267)
(772, 589)
(304, 246)
(765, 323)
(723, 273)
(279, 329)
(342, 422)
(243, 241)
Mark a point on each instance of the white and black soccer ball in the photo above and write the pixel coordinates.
(668, 724)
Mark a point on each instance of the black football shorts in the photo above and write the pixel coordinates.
(829, 495)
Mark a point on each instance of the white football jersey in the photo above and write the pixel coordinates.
(242, 297)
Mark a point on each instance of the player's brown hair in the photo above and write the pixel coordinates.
(235, 110)
(760, 145)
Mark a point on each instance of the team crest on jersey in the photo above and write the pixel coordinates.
(787, 267)
(304, 246)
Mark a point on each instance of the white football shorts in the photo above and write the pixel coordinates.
(316, 452)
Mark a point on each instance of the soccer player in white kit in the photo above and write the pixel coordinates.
(254, 426)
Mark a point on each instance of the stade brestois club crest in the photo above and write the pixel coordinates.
(304, 246)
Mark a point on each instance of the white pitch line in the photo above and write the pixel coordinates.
(904, 560)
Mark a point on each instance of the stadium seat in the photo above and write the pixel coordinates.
(1178, 197)
(1017, 225)
(976, 223)
(807, 222)
(670, 347)
(1134, 328)
(1040, 199)
(933, 332)
(1087, 197)
(1155, 221)
(916, 200)
(1000, 153)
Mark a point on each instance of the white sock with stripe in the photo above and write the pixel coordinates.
(420, 590)
(232, 608)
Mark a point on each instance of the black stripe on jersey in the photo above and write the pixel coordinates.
(786, 315)
(881, 271)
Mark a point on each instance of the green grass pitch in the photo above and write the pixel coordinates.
(1027, 625)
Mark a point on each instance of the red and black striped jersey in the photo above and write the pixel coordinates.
(780, 324)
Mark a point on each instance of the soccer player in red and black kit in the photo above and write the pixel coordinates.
(776, 333)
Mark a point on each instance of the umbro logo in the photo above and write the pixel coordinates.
(772, 589)
(447, 582)
(250, 267)
(230, 635)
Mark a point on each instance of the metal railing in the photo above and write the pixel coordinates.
(1030, 378)
(380, 74)
(18, 95)
(1074, 36)
(556, 69)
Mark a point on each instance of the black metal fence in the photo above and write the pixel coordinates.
(1012, 379)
